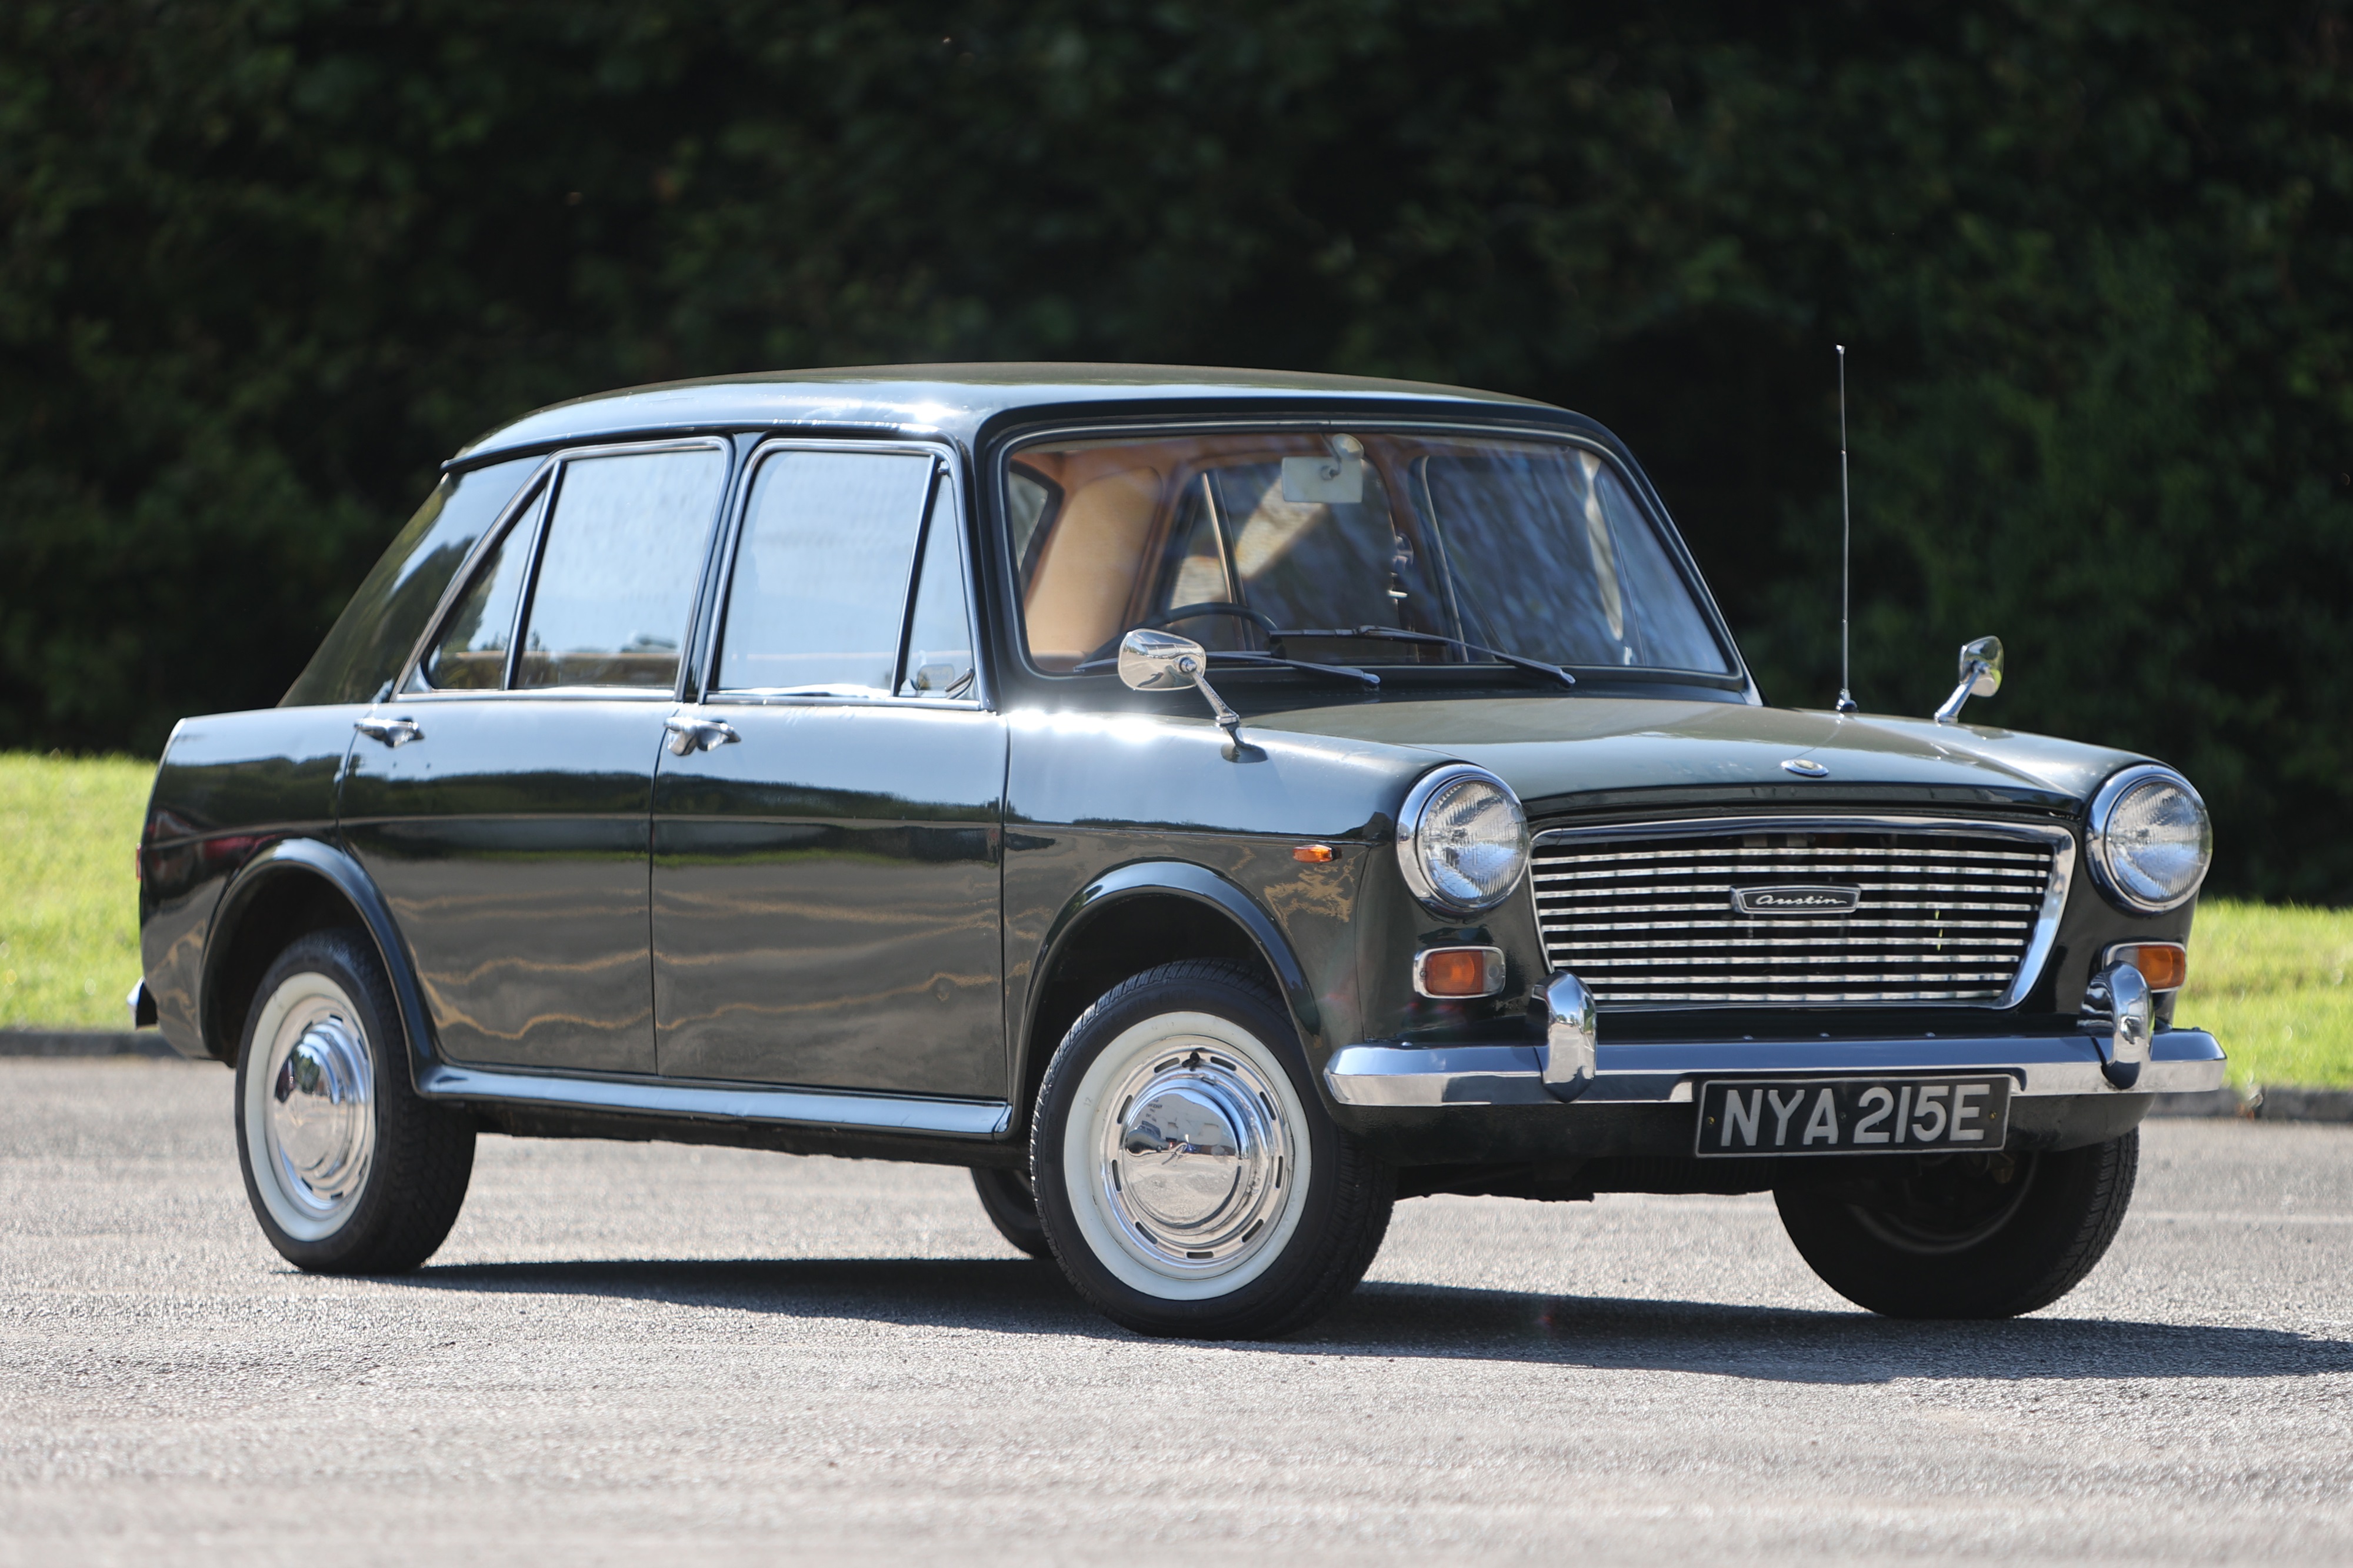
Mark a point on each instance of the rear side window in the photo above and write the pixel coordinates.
(618, 570)
(818, 596)
(363, 654)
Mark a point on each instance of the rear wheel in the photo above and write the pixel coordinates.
(1187, 1177)
(1967, 1236)
(348, 1170)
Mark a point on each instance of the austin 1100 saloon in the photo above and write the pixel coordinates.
(1209, 805)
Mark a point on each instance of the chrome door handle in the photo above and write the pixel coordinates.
(391, 732)
(688, 736)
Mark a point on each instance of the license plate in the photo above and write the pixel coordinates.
(1853, 1115)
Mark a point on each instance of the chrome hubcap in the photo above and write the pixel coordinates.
(319, 1109)
(1195, 1159)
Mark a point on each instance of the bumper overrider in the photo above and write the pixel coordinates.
(2119, 1053)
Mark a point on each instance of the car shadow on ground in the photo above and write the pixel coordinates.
(1392, 1319)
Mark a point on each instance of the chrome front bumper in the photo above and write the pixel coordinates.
(1659, 1072)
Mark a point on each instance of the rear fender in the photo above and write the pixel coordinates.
(321, 862)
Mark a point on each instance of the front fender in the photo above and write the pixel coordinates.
(1202, 886)
(311, 857)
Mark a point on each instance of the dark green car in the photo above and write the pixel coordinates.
(1208, 805)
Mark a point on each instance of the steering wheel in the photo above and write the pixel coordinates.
(1264, 622)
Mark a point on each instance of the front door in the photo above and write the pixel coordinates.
(503, 801)
(827, 828)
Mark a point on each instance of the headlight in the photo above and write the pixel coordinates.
(2150, 839)
(1463, 840)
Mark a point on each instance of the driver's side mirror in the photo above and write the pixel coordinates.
(1980, 676)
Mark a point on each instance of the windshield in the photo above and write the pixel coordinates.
(1301, 545)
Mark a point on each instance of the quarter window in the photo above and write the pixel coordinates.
(470, 654)
(618, 574)
(818, 598)
(939, 634)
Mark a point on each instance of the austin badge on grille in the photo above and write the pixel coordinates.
(1795, 900)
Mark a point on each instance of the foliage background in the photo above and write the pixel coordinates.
(267, 261)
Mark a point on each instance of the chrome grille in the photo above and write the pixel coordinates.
(1953, 913)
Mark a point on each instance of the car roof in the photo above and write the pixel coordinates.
(955, 400)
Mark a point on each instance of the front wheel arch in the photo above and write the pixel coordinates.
(1136, 918)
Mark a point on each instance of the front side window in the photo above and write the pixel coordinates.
(818, 600)
(618, 569)
(1315, 545)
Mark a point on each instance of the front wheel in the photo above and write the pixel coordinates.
(1186, 1176)
(1011, 1207)
(1966, 1235)
(348, 1169)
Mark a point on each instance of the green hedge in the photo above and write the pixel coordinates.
(269, 260)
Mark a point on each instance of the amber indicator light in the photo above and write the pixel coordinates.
(1455, 971)
(2164, 964)
(1316, 854)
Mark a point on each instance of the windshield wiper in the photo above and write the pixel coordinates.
(1348, 671)
(1394, 633)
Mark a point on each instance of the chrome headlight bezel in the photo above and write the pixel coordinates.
(2100, 849)
(1412, 845)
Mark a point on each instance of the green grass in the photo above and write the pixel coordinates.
(68, 906)
(2268, 980)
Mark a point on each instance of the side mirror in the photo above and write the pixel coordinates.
(1163, 661)
(1159, 661)
(1980, 676)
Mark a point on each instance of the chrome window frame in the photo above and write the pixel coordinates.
(944, 493)
(1013, 442)
(2060, 840)
(547, 478)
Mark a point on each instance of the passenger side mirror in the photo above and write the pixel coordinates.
(1159, 661)
(1980, 676)
(1162, 661)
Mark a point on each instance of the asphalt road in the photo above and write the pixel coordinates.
(630, 1351)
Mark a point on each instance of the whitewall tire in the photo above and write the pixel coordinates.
(1186, 1176)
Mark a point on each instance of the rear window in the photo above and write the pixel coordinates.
(363, 651)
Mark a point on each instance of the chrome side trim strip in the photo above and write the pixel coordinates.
(1663, 1072)
(731, 1103)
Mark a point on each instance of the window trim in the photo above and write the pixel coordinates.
(1008, 447)
(943, 505)
(548, 480)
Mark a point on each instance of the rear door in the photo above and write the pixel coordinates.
(827, 839)
(503, 801)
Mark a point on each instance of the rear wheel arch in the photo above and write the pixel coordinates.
(1138, 918)
(288, 890)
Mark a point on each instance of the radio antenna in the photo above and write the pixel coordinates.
(1846, 542)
